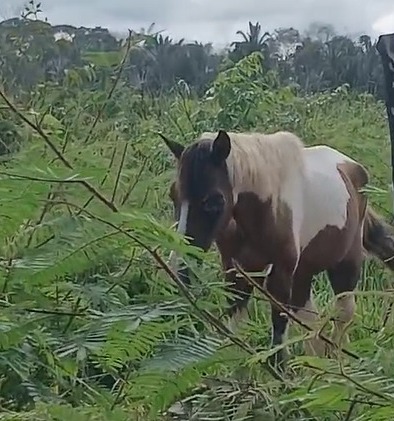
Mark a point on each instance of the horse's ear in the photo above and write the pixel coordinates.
(175, 147)
(221, 147)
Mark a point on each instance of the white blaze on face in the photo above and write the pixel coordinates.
(182, 224)
(181, 229)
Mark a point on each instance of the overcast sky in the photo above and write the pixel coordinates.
(216, 20)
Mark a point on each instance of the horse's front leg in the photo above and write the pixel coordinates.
(279, 284)
(239, 291)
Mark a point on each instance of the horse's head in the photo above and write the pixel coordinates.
(202, 192)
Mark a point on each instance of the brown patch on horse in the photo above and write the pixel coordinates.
(255, 237)
(355, 172)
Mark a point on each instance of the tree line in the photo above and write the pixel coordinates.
(33, 51)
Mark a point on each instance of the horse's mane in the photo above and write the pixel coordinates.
(262, 163)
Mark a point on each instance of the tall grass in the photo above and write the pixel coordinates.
(92, 325)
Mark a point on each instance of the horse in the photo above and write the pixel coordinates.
(268, 200)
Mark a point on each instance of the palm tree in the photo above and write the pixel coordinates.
(252, 41)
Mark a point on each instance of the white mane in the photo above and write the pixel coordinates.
(263, 163)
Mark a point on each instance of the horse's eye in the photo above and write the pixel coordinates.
(214, 203)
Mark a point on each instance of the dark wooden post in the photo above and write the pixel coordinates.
(385, 47)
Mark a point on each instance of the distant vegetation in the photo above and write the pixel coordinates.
(91, 326)
(317, 60)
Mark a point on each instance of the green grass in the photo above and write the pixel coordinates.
(103, 58)
(83, 295)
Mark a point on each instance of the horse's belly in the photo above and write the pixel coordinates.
(325, 194)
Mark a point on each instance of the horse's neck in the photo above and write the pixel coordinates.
(234, 244)
(243, 226)
(229, 241)
(264, 165)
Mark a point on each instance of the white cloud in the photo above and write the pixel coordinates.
(218, 20)
(384, 24)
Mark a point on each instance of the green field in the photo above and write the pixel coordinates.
(92, 328)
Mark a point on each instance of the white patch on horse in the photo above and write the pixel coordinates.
(261, 163)
(181, 229)
(325, 193)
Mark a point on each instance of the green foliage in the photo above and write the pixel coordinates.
(93, 328)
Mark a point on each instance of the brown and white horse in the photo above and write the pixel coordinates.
(266, 199)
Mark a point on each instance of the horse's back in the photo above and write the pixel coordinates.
(332, 179)
(329, 158)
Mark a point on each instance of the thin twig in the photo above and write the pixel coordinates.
(48, 312)
(44, 211)
(8, 271)
(111, 92)
(136, 181)
(119, 172)
(351, 380)
(185, 108)
(36, 128)
(124, 271)
(104, 179)
(369, 403)
(52, 146)
(351, 409)
(88, 201)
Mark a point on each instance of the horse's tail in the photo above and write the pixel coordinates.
(379, 238)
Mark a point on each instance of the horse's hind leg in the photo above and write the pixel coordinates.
(343, 278)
